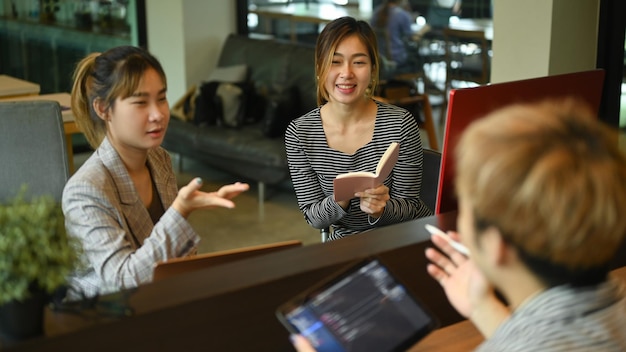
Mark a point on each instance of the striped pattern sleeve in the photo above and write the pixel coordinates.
(313, 166)
(568, 319)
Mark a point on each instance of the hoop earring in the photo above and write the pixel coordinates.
(368, 90)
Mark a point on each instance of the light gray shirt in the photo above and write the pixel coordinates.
(566, 319)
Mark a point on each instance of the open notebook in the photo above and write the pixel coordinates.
(182, 265)
(468, 104)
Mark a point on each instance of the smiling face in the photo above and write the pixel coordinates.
(139, 121)
(350, 73)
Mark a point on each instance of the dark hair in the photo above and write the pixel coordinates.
(327, 42)
(106, 76)
(552, 274)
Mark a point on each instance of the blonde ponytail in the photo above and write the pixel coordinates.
(88, 122)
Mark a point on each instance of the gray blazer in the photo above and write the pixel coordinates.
(120, 242)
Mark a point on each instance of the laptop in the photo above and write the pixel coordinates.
(468, 104)
(177, 266)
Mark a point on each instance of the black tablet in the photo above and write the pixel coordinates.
(362, 308)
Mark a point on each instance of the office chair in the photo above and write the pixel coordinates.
(430, 180)
(33, 151)
(430, 177)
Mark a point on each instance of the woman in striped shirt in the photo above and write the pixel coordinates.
(349, 131)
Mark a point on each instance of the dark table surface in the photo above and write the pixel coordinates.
(232, 307)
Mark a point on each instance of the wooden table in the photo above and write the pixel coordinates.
(234, 304)
(465, 24)
(15, 87)
(232, 307)
(474, 24)
(307, 13)
(461, 336)
(69, 125)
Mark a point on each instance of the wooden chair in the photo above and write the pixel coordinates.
(177, 266)
(404, 93)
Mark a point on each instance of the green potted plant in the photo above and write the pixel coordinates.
(36, 257)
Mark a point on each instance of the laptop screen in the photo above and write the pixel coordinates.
(468, 104)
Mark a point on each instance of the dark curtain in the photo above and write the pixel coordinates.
(610, 57)
(242, 17)
(142, 36)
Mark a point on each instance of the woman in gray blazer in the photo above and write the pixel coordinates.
(123, 203)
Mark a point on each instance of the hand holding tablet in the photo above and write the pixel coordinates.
(361, 308)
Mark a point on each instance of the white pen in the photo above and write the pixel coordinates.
(456, 245)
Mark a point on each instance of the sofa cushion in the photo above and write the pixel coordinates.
(232, 73)
(233, 103)
(207, 105)
(247, 145)
(272, 64)
(273, 68)
(244, 151)
(185, 107)
(281, 107)
(223, 104)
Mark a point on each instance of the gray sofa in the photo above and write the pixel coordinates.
(275, 68)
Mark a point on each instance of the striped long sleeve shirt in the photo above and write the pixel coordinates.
(313, 166)
(566, 319)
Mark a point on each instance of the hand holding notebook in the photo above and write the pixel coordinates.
(347, 184)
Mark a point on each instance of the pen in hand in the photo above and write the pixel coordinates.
(456, 245)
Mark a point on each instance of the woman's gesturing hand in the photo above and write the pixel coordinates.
(191, 198)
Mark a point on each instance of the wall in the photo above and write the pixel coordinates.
(556, 36)
(534, 38)
(186, 36)
(574, 35)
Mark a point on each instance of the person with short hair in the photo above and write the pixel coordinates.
(350, 131)
(393, 23)
(542, 192)
(541, 199)
(123, 202)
